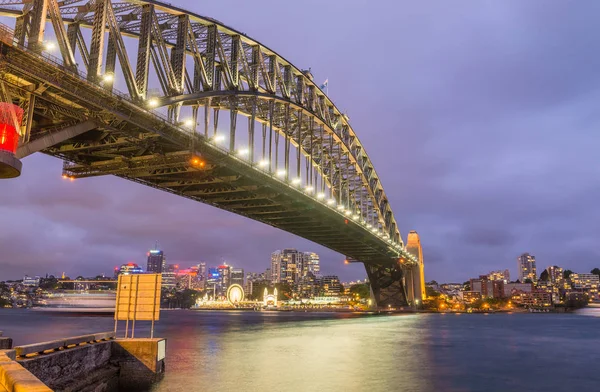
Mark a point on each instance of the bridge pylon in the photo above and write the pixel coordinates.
(415, 274)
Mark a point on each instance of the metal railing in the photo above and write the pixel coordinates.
(61, 344)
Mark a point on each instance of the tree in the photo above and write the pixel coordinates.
(467, 285)
(544, 276)
(431, 293)
(595, 271)
(567, 274)
(362, 290)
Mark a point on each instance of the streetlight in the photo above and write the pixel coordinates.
(108, 77)
(320, 195)
(219, 138)
(263, 163)
(243, 152)
(189, 122)
(296, 181)
(331, 202)
(280, 173)
(153, 102)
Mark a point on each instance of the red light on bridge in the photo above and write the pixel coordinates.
(9, 138)
(346, 221)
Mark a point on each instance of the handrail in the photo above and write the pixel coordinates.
(54, 345)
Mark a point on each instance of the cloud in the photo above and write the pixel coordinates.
(481, 120)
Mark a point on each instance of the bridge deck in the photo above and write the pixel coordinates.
(138, 145)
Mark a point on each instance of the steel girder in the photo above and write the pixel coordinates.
(231, 73)
(225, 60)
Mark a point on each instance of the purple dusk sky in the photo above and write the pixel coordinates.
(481, 118)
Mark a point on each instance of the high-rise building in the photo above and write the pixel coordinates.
(311, 263)
(287, 266)
(202, 270)
(526, 267)
(237, 276)
(225, 275)
(156, 261)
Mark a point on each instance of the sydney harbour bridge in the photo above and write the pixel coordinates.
(209, 114)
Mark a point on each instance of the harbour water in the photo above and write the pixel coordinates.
(281, 351)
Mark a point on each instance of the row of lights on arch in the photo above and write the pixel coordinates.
(243, 153)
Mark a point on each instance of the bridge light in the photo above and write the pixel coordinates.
(263, 163)
(108, 77)
(341, 207)
(189, 122)
(243, 152)
(355, 216)
(296, 181)
(280, 173)
(320, 195)
(374, 229)
(346, 261)
(309, 189)
(219, 138)
(153, 102)
(49, 45)
(331, 202)
(369, 225)
(64, 176)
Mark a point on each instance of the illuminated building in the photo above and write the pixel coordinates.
(225, 276)
(237, 277)
(270, 299)
(202, 270)
(526, 268)
(537, 298)
(488, 288)
(500, 275)
(588, 283)
(213, 280)
(169, 280)
(311, 263)
(470, 296)
(511, 288)
(31, 281)
(330, 285)
(156, 261)
(129, 269)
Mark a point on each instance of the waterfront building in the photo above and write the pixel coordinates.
(202, 270)
(470, 296)
(129, 269)
(488, 288)
(307, 286)
(31, 281)
(526, 267)
(157, 262)
(536, 298)
(451, 286)
(213, 279)
(588, 283)
(330, 285)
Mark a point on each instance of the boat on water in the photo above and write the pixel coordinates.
(78, 302)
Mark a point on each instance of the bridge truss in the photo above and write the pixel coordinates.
(210, 114)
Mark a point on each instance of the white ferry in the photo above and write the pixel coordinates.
(79, 301)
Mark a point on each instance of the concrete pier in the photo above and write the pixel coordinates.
(96, 362)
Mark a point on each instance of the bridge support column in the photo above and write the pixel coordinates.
(387, 285)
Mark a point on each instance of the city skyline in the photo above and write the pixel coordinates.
(523, 188)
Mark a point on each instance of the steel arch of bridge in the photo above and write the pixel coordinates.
(204, 67)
